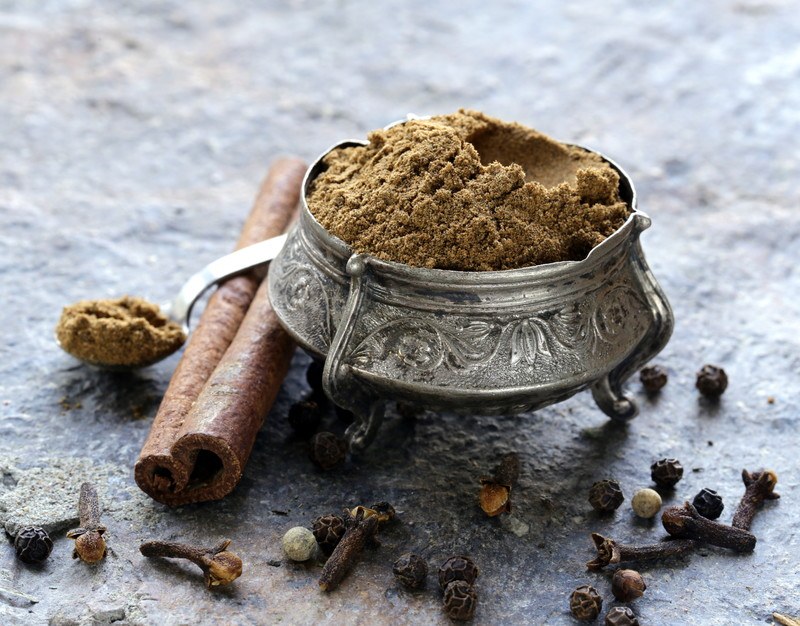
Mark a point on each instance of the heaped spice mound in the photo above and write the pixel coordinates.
(467, 192)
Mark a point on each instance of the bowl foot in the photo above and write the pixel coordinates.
(608, 395)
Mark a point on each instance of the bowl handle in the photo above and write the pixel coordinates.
(607, 391)
(338, 381)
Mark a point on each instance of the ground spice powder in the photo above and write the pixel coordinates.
(126, 331)
(467, 192)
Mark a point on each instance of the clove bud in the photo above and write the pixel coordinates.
(609, 552)
(219, 566)
(360, 527)
(685, 522)
(90, 546)
(758, 486)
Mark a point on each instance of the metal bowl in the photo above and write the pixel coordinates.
(500, 342)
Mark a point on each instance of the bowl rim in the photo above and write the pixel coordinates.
(637, 221)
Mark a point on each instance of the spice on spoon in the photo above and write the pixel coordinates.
(90, 546)
(759, 486)
(495, 495)
(610, 552)
(360, 528)
(219, 566)
(125, 332)
(685, 522)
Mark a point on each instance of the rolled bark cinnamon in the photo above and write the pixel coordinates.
(196, 455)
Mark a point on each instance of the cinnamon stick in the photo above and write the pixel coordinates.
(190, 455)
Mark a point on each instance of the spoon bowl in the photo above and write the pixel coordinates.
(179, 310)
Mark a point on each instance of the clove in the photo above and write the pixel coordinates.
(495, 495)
(758, 486)
(685, 522)
(90, 546)
(360, 527)
(609, 552)
(219, 566)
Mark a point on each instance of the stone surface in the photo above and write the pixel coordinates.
(133, 136)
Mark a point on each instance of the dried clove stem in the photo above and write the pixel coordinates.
(758, 486)
(495, 495)
(90, 546)
(609, 552)
(685, 522)
(219, 566)
(360, 528)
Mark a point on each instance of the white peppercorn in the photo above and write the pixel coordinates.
(299, 544)
(646, 503)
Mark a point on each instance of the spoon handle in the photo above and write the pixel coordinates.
(237, 262)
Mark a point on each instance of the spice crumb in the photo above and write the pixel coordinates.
(467, 192)
(127, 331)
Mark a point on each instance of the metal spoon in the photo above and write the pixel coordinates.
(180, 309)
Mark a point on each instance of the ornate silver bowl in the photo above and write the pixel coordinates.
(499, 342)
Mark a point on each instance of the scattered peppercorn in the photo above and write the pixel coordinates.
(711, 381)
(621, 616)
(666, 473)
(708, 503)
(653, 378)
(627, 585)
(327, 450)
(646, 503)
(460, 600)
(328, 531)
(605, 496)
(305, 417)
(299, 544)
(458, 568)
(411, 570)
(585, 603)
(32, 544)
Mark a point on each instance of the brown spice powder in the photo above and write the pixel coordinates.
(467, 192)
(127, 332)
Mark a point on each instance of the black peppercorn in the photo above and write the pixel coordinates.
(621, 616)
(411, 570)
(605, 496)
(627, 585)
(328, 531)
(305, 417)
(460, 600)
(653, 378)
(457, 568)
(666, 473)
(711, 381)
(708, 503)
(33, 545)
(585, 603)
(327, 450)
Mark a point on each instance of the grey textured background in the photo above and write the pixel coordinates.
(133, 136)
